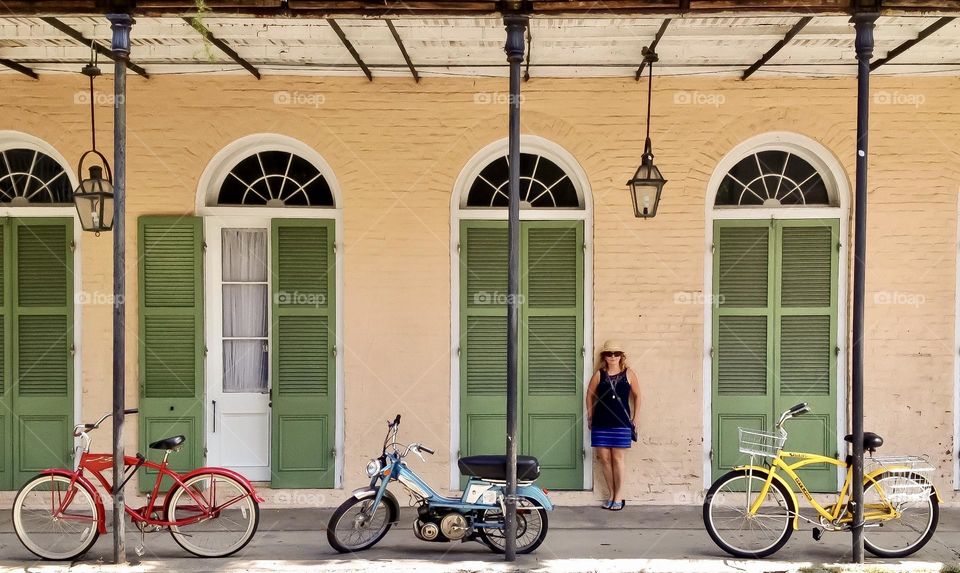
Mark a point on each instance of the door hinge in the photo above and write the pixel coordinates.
(710, 352)
(839, 245)
(583, 452)
(73, 246)
(458, 351)
(204, 452)
(73, 350)
(583, 247)
(836, 350)
(713, 247)
(205, 351)
(458, 247)
(333, 452)
(333, 349)
(710, 455)
(203, 246)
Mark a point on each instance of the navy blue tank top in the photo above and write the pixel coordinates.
(607, 413)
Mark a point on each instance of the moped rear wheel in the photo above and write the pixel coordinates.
(354, 527)
(220, 514)
(531, 527)
(54, 519)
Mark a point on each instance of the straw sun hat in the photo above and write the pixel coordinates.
(611, 346)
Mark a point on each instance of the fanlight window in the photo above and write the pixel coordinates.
(275, 179)
(30, 177)
(773, 178)
(543, 184)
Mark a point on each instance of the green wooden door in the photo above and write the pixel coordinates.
(171, 346)
(551, 344)
(774, 336)
(552, 339)
(38, 321)
(303, 386)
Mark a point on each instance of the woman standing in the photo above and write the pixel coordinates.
(613, 402)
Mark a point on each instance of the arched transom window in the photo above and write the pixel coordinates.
(543, 185)
(774, 178)
(275, 179)
(31, 177)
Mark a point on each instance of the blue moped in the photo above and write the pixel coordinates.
(364, 519)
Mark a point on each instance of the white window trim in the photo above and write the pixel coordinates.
(838, 186)
(10, 139)
(206, 198)
(956, 366)
(566, 161)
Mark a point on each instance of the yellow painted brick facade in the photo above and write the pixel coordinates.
(396, 149)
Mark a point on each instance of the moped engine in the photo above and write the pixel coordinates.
(454, 526)
(426, 531)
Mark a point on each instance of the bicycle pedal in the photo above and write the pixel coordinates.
(140, 550)
(817, 533)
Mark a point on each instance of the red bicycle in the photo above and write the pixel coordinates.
(210, 512)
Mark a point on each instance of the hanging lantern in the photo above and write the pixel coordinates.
(647, 182)
(94, 196)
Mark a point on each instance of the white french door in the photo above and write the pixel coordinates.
(238, 307)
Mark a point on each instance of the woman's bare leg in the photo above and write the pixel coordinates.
(618, 462)
(606, 464)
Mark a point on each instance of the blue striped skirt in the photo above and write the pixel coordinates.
(610, 437)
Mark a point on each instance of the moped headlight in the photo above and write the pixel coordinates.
(373, 468)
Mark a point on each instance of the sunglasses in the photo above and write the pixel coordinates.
(616, 353)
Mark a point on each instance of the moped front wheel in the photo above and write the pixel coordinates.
(356, 526)
(531, 527)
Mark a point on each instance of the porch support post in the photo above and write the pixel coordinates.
(120, 46)
(516, 27)
(863, 24)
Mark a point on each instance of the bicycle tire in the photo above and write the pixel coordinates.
(242, 501)
(783, 511)
(86, 515)
(929, 523)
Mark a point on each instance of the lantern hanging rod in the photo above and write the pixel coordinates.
(653, 47)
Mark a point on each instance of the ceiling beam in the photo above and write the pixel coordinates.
(20, 68)
(350, 48)
(77, 36)
(777, 47)
(923, 35)
(653, 47)
(403, 50)
(208, 36)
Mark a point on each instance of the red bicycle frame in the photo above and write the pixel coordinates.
(97, 463)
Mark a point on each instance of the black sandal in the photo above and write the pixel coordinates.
(618, 506)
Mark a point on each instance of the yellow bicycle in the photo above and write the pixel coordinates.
(752, 510)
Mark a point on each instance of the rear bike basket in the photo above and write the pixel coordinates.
(901, 484)
(760, 443)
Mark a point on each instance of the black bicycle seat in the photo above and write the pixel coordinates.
(871, 441)
(168, 443)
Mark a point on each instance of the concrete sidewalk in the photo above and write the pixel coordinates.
(649, 538)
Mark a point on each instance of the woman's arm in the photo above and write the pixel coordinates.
(634, 394)
(591, 397)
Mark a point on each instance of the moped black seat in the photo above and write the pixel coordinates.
(871, 441)
(168, 443)
(495, 467)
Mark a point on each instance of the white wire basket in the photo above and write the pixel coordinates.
(760, 443)
(903, 479)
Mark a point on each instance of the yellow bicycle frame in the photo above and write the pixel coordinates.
(872, 512)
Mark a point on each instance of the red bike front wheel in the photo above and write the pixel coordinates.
(55, 519)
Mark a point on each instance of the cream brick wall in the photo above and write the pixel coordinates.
(397, 147)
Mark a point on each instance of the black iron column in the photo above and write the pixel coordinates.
(516, 28)
(863, 23)
(120, 46)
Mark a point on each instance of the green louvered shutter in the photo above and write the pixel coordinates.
(552, 341)
(6, 385)
(42, 350)
(742, 335)
(805, 361)
(304, 360)
(483, 337)
(171, 346)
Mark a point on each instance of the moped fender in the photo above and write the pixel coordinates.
(101, 514)
(371, 492)
(758, 470)
(536, 494)
(229, 473)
